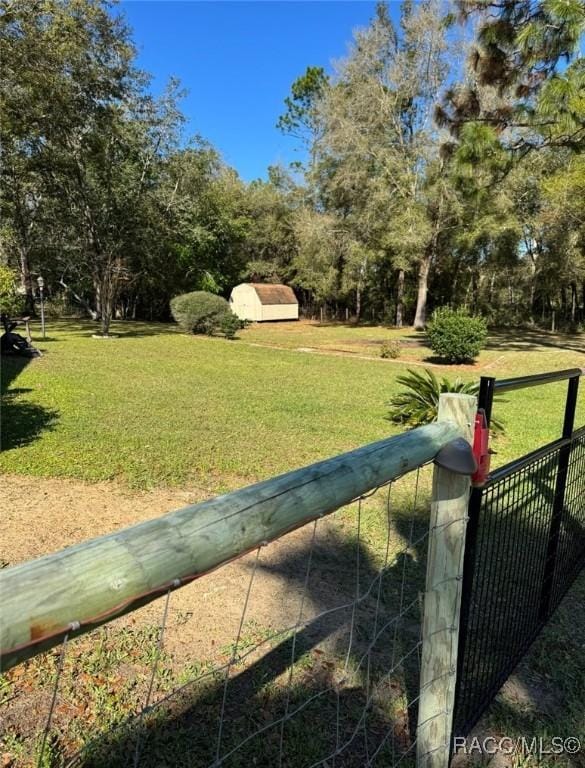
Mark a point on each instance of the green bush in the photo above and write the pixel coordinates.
(230, 324)
(390, 349)
(456, 336)
(418, 403)
(200, 312)
(11, 303)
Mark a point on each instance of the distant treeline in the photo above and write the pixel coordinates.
(438, 170)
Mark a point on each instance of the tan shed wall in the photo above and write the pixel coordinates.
(245, 303)
(280, 312)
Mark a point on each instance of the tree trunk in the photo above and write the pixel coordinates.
(107, 309)
(420, 316)
(532, 284)
(491, 289)
(358, 292)
(108, 284)
(98, 297)
(573, 302)
(400, 299)
(92, 312)
(476, 288)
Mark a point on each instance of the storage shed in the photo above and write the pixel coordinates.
(260, 301)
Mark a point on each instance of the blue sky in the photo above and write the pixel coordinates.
(238, 60)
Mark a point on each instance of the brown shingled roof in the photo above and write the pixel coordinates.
(274, 294)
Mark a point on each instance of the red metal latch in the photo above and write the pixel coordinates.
(481, 451)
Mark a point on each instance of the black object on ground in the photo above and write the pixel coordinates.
(13, 343)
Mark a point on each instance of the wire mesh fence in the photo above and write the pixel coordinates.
(305, 652)
(570, 556)
(509, 600)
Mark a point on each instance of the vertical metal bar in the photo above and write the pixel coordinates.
(570, 407)
(485, 402)
(485, 397)
(558, 501)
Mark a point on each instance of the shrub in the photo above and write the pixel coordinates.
(10, 301)
(230, 324)
(200, 311)
(456, 336)
(390, 349)
(418, 403)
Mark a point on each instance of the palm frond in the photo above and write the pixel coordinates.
(418, 402)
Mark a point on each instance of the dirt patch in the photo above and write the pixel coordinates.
(300, 606)
(44, 515)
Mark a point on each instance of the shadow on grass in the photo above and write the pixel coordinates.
(346, 692)
(22, 421)
(544, 695)
(531, 340)
(120, 329)
(346, 681)
(433, 360)
(508, 603)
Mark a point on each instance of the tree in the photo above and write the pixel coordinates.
(301, 118)
(318, 251)
(517, 61)
(372, 150)
(83, 141)
(387, 215)
(563, 220)
(270, 244)
(10, 301)
(205, 204)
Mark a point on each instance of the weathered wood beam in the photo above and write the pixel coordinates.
(90, 583)
(440, 631)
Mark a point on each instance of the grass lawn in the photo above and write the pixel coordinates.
(156, 408)
(544, 696)
(367, 340)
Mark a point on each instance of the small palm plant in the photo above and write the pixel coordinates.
(418, 402)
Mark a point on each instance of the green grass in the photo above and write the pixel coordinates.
(551, 681)
(167, 408)
(156, 407)
(368, 339)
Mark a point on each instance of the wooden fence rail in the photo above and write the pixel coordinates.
(83, 586)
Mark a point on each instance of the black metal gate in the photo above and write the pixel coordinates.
(525, 545)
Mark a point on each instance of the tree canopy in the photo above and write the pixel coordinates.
(433, 172)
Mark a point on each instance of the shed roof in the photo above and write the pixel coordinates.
(274, 294)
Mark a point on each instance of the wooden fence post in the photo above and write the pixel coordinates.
(440, 631)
